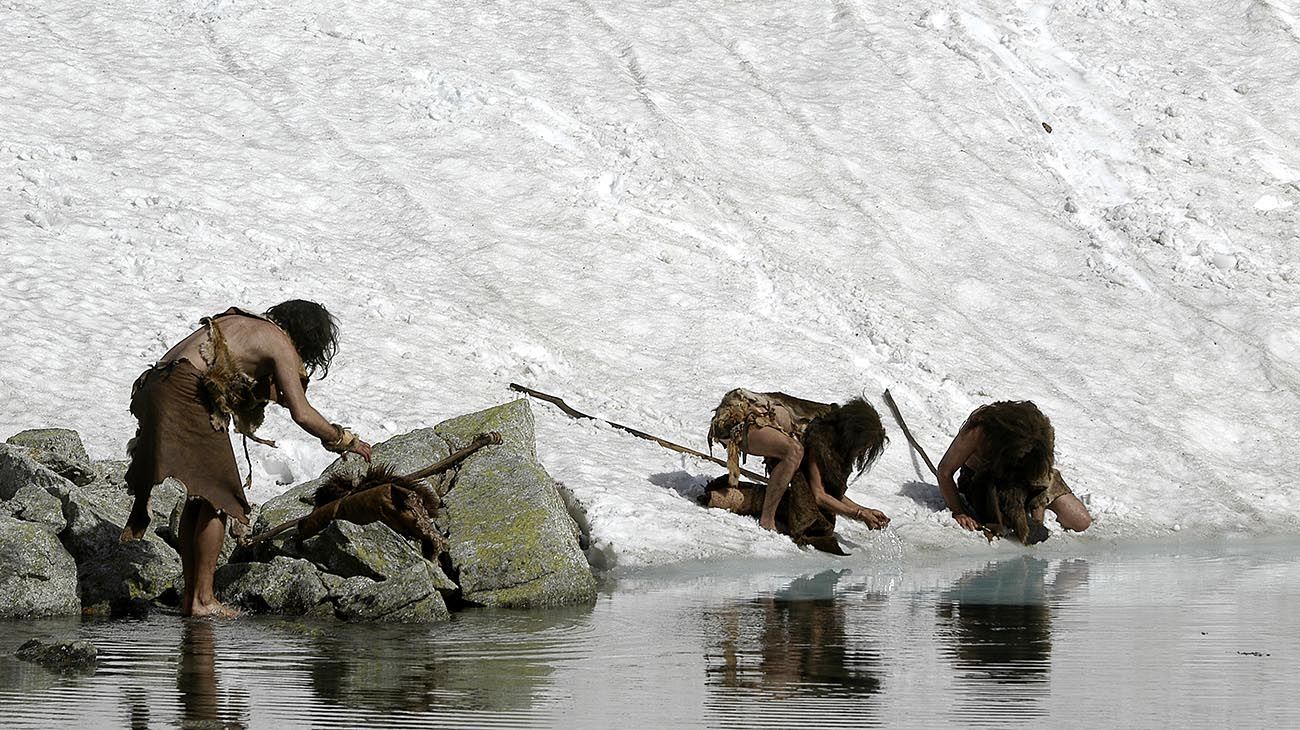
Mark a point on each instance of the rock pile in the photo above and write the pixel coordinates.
(512, 542)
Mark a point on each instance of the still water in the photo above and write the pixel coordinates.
(1204, 636)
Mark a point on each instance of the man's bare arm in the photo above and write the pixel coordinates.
(288, 383)
(874, 518)
(961, 449)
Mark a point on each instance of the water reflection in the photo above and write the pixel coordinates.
(418, 668)
(998, 622)
(794, 642)
(203, 705)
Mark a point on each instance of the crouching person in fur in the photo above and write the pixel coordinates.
(1006, 454)
(810, 449)
(225, 372)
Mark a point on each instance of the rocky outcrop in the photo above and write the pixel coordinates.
(111, 573)
(513, 543)
(37, 576)
(365, 572)
(59, 449)
(85, 523)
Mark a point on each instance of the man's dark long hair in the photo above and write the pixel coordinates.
(314, 332)
(1020, 443)
(846, 440)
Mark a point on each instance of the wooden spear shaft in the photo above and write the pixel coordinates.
(572, 413)
(893, 407)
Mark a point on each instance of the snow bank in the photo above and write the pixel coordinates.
(638, 206)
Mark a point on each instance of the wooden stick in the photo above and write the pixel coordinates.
(569, 411)
(893, 407)
(491, 438)
(483, 439)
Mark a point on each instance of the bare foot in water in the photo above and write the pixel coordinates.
(216, 609)
(769, 525)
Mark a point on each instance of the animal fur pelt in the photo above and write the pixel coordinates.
(1012, 469)
(378, 496)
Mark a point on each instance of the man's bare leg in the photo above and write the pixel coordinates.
(1071, 513)
(767, 441)
(185, 546)
(209, 534)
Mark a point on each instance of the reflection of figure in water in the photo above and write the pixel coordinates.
(793, 642)
(1001, 620)
(196, 680)
(1006, 454)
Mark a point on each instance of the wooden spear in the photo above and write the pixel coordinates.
(893, 407)
(483, 439)
(569, 411)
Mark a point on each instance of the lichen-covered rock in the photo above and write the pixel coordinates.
(37, 575)
(409, 598)
(60, 656)
(362, 572)
(18, 469)
(111, 571)
(60, 449)
(283, 586)
(35, 504)
(513, 543)
(374, 551)
(110, 472)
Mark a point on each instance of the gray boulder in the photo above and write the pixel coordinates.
(513, 543)
(32, 503)
(18, 469)
(374, 551)
(410, 598)
(283, 586)
(110, 473)
(110, 571)
(37, 575)
(60, 449)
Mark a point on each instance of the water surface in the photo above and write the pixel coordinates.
(1203, 636)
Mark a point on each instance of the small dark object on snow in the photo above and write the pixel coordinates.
(1047, 127)
(59, 656)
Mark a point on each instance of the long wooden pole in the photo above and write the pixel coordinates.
(893, 407)
(572, 413)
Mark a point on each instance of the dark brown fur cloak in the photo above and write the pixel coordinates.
(1013, 468)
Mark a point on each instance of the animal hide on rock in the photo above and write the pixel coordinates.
(378, 496)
